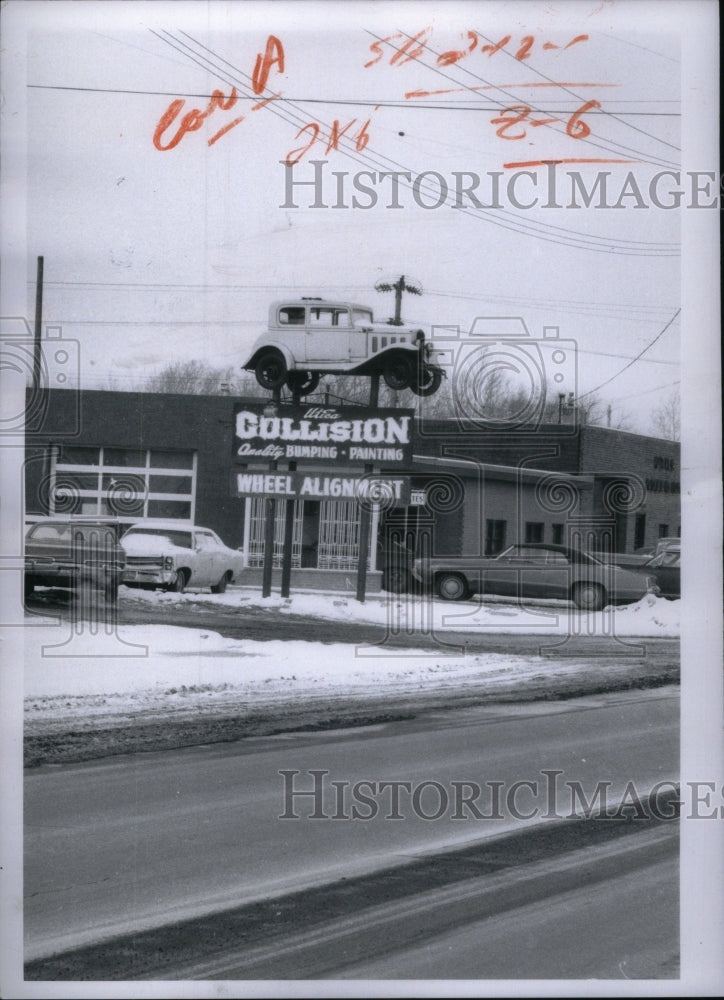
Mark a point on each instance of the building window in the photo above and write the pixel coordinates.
(494, 536)
(557, 534)
(123, 483)
(640, 531)
(663, 531)
(534, 531)
(326, 534)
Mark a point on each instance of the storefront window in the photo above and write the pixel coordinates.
(129, 484)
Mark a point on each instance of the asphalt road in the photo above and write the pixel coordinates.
(119, 845)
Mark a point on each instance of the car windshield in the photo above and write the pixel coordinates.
(182, 539)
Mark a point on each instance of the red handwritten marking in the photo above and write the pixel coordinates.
(412, 48)
(543, 163)
(576, 128)
(361, 138)
(492, 49)
(273, 55)
(194, 119)
(225, 129)
(524, 50)
(407, 52)
(501, 86)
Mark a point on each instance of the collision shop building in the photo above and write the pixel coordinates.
(215, 460)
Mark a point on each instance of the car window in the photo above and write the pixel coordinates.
(49, 532)
(182, 539)
(361, 316)
(291, 316)
(671, 558)
(328, 316)
(531, 555)
(553, 557)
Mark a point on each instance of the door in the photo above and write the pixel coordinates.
(328, 335)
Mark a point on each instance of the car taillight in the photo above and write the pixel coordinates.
(652, 585)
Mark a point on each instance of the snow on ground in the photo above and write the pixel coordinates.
(409, 613)
(140, 671)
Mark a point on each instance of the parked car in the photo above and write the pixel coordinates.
(662, 545)
(71, 552)
(309, 337)
(175, 556)
(534, 570)
(641, 557)
(396, 562)
(666, 568)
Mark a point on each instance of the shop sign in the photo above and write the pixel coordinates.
(322, 435)
(386, 490)
(418, 498)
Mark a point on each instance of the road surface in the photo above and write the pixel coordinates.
(130, 843)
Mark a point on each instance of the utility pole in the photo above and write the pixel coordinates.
(398, 287)
(37, 340)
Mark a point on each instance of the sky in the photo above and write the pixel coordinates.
(155, 254)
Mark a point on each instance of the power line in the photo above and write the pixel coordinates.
(633, 360)
(609, 147)
(571, 237)
(369, 103)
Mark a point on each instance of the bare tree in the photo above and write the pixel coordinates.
(666, 418)
(197, 378)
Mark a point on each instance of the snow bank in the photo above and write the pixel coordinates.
(409, 613)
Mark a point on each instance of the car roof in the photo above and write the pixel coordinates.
(168, 525)
(542, 545)
(334, 303)
(90, 521)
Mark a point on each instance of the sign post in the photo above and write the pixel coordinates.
(288, 539)
(270, 505)
(364, 544)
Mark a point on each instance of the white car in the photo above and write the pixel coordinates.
(175, 556)
(310, 337)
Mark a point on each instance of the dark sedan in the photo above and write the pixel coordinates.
(666, 568)
(535, 570)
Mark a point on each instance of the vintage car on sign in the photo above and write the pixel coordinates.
(71, 553)
(175, 556)
(534, 570)
(309, 337)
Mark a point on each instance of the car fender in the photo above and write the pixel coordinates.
(278, 345)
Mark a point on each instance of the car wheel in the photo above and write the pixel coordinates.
(178, 584)
(303, 382)
(452, 586)
(396, 579)
(399, 372)
(270, 370)
(589, 596)
(429, 383)
(220, 587)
